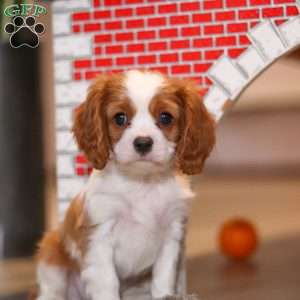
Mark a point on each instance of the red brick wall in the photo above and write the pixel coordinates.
(176, 37)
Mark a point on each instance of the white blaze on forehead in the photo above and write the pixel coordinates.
(142, 86)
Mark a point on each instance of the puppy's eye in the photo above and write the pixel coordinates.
(165, 118)
(121, 119)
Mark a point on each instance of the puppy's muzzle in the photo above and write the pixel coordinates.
(143, 145)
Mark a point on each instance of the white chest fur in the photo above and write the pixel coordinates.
(139, 213)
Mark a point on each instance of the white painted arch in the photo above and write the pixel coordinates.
(232, 76)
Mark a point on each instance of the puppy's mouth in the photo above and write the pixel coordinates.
(147, 160)
(146, 167)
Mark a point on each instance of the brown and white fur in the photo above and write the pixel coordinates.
(122, 236)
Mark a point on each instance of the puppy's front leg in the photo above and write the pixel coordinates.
(99, 273)
(164, 273)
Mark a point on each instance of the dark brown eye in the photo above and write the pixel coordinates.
(165, 118)
(121, 119)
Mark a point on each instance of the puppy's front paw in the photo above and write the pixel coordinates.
(49, 298)
(167, 298)
(161, 292)
(107, 296)
(178, 297)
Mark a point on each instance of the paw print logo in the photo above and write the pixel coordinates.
(24, 32)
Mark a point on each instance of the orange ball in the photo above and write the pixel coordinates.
(238, 239)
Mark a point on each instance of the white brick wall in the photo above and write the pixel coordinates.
(71, 92)
(65, 142)
(63, 70)
(70, 5)
(65, 165)
(251, 62)
(267, 40)
(62, 24)
(72, 46)
(291, 32)
(63, 118)
(214, 100)
(69, 187)
(229, 76)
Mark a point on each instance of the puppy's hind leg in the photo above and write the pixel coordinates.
(52, 282)
(52, 268)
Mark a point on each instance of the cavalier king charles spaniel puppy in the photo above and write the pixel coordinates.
(122, 236)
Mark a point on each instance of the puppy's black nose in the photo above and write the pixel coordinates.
(143, 145)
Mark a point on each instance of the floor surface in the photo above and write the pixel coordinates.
(273, 274)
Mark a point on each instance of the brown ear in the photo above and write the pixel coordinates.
(90, 129)
(198, 130)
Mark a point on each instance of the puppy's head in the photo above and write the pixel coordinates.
(144, 120)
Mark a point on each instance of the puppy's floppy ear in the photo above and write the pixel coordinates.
(90, 128)
(198, 130)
